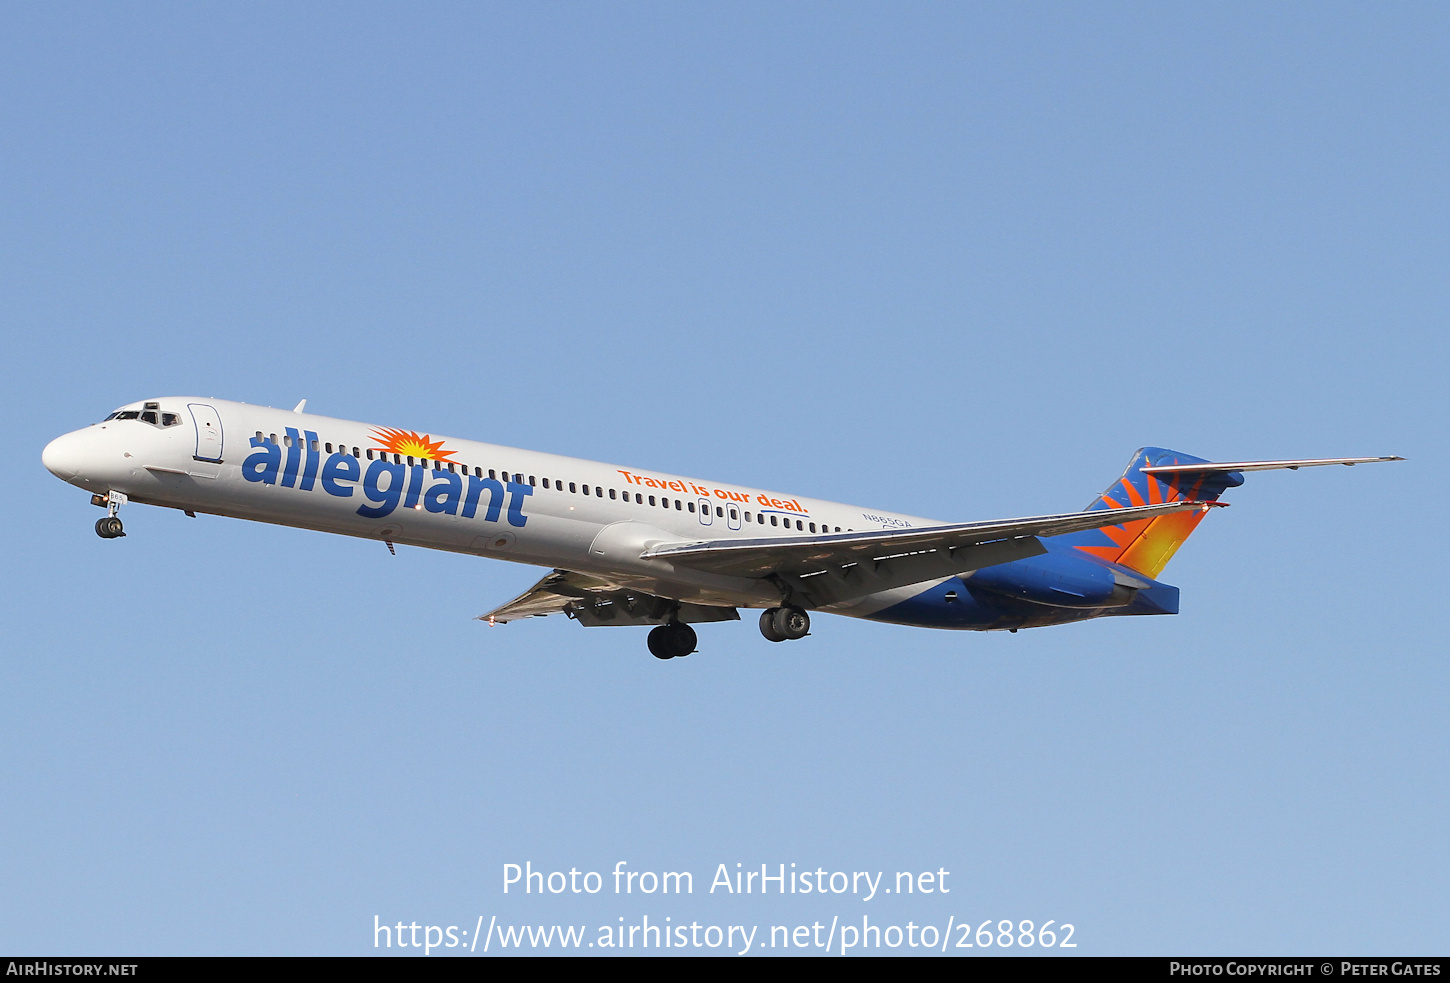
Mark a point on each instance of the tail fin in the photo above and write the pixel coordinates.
(1147, 545)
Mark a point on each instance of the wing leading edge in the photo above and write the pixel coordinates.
(829, 569)
(819, 570)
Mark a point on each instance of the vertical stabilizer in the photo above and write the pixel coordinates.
(1146, 546)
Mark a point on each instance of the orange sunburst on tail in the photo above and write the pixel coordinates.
(410, 443)
(1148, 544)
(1151, 551)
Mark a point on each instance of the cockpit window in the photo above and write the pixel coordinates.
(149, 415)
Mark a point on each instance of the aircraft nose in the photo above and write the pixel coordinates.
(62, 456)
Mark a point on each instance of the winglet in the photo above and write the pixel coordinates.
(298, 407)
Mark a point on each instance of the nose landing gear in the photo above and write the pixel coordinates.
(110, 526)
(784, 624)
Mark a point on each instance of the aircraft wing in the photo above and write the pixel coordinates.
(549, 596)
(593, 602)
(830, 568)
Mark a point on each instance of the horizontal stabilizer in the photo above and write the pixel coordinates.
(1206, 467)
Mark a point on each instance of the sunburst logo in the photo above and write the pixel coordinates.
(410, 444)
(1146, 545)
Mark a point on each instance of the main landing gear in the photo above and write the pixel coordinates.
(671, 641)
(784, 624)
(109, 527)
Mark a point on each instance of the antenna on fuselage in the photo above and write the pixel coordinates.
(298, 407)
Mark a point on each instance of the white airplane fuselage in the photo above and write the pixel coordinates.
(631, 546)
(484, 499)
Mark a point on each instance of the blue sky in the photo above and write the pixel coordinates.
(952, 261)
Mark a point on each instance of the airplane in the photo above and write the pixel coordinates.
(632, 546)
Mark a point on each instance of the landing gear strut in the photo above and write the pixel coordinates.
(671, 641)
(784, 624)
(110, 526)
